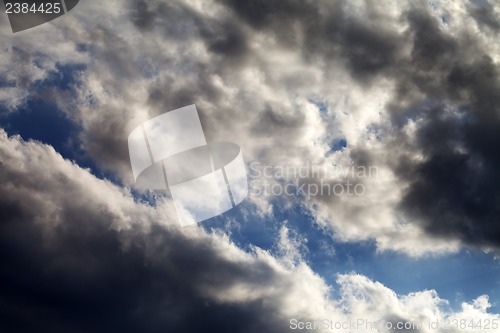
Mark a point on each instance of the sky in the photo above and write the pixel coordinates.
(370, 134)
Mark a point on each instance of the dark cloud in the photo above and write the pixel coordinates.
(367, 50)
(262, 14)
(222, 36)
(366, 44)
(67, 267)
(484, 14)
(173, 18)
(229, 40)
(273, 123)
(431, 46)
(454, 191)
(141, 15)
(83, 281)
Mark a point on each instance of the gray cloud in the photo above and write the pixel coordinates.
(484, 14)
(80, 255)
(72, 262)
(453, 191)
(252, 68)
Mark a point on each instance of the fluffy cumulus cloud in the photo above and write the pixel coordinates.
(399, 99)
(103, 261)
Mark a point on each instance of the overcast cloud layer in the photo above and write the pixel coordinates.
(410, 88)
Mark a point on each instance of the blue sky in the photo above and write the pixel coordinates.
(457, 277)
